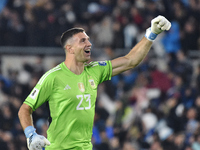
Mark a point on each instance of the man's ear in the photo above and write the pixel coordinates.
(69, 49)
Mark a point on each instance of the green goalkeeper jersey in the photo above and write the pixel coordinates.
(71, 101)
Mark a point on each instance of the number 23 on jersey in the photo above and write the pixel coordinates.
(83, 99)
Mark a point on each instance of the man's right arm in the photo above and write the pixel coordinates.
(25, 116)
(34, 141)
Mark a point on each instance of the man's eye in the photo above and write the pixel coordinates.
(83, 40)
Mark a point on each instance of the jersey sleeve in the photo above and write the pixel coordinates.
(103, 70)
(40, 93)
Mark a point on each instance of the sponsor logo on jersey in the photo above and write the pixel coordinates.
(92, 83)
(102, 63)
(34, 93)
(67, 87)
(81, 87)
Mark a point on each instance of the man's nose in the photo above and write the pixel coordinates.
(89, 43)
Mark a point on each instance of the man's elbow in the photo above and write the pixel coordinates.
(24, 109)
(20, 112)
(132, 63)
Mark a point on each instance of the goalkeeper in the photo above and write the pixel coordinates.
(70, 89)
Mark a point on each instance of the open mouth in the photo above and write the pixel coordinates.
(87, 51)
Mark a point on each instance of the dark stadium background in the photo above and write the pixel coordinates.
(155, 106)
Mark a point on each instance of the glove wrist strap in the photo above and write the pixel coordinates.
(150, 35)
(30, 130)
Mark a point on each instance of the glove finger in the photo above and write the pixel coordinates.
(163, 22)
(31, 147)
(35, 147)
(156, 20)
(46, 141)
(167, 26)
(159, 26)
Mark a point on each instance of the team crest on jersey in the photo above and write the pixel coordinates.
(102, 63)
(81, 87)
(92, 83)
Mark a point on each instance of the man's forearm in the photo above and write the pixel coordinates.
(133, 58)
(139, 51)
(25, 116)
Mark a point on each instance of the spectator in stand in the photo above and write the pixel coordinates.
(171, 40)
(190, 34)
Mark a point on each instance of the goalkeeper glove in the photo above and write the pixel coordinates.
(35, 141)
(158, 25)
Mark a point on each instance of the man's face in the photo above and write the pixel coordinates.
(81, 47)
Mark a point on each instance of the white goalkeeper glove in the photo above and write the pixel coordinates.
(158, 25)
(35, 141)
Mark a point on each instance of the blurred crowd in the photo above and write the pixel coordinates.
(155, 106)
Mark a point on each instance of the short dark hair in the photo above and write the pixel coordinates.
(68, 34)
